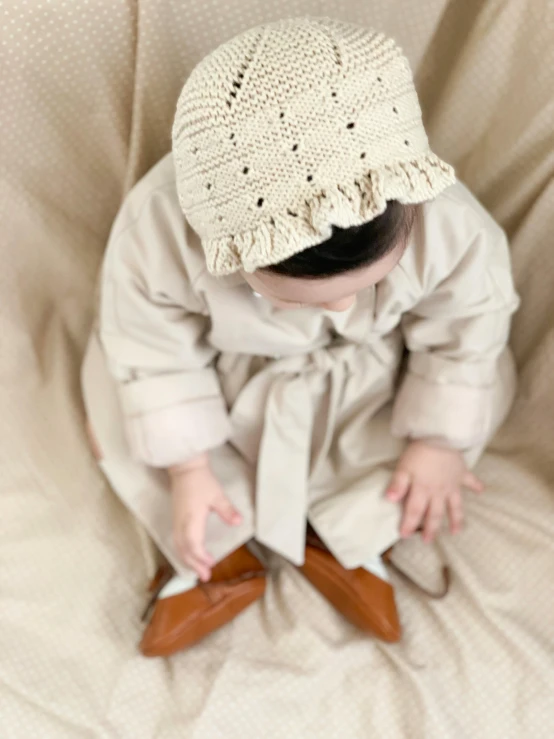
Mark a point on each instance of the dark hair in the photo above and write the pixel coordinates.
(352, 248)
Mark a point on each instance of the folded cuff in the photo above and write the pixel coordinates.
(154, 393)
(458, 415)
(178, 433)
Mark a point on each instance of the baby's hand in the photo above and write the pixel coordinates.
(196, 492)
(430, 478)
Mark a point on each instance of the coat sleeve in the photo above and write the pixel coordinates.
(153, 329)
(455, 335)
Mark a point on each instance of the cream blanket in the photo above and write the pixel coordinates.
(87, 95)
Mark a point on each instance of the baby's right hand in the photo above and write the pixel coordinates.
(196, 492)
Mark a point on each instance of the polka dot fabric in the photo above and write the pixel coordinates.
(322, 120)
(88, 94)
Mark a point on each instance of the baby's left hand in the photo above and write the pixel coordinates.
(430, 479)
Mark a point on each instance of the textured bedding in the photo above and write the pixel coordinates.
(87, 97)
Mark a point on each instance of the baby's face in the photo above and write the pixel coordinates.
(329, 293)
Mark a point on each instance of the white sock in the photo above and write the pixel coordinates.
(377, 567)
(177, 585)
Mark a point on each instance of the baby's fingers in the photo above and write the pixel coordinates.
(455, 511)
(190, 543)
(202, 570)
(433, 518)
(226, 511)
(414, 511)
(472, 482)
(193, 556)
(198, 560)
(399, 486)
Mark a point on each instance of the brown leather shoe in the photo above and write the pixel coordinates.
(182, 620)
(364, 599)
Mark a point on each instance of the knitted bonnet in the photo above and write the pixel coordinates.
(294, 127)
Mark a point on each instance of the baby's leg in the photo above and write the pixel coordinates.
(186, 612)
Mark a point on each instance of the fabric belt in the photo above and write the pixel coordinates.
(285, 456)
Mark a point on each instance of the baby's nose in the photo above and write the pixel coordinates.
(339, 306)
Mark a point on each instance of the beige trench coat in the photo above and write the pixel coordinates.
(304, 412)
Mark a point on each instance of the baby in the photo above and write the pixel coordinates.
(316, 351)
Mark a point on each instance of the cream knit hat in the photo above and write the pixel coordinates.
(294, 127)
